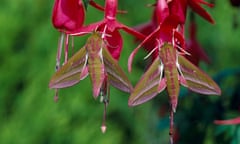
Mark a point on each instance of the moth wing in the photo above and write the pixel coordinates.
(69, 73)
(116, 75)
(148, 86)
(197, 80)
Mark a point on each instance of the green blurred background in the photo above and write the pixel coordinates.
(28, 114)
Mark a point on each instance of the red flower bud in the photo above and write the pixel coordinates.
(68, 14)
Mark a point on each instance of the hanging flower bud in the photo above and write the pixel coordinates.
(68, 14)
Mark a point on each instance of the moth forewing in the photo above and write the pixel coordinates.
(197, 80)
(147, 87)
(116, 75)
(69, 73)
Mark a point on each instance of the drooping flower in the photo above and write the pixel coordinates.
(177, 10)
(67, 15)
(167, 32)
(193, 47)
(110, 26)
(174, 13)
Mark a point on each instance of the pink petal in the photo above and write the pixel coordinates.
(131, 31)
(194, 4)
(206, 3)
(149, 37)
(68, 14)
(228, 122)
(114, 43)
(179, 9)
(167, 27)
(162, 10)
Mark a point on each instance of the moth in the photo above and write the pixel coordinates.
(169, 70)
(95, 60)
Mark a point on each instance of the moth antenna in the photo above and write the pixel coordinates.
(150, 53)
(110, 45)
(104, 32)
(181, 78)
(79, 33)
(106, 35)
(182, 50)
(177, 46)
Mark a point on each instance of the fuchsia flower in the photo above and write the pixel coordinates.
(175, 9)
(110, 26)
(228, 122)
(193, 47)
(68, 15)
(164, 33)
(163, 40)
